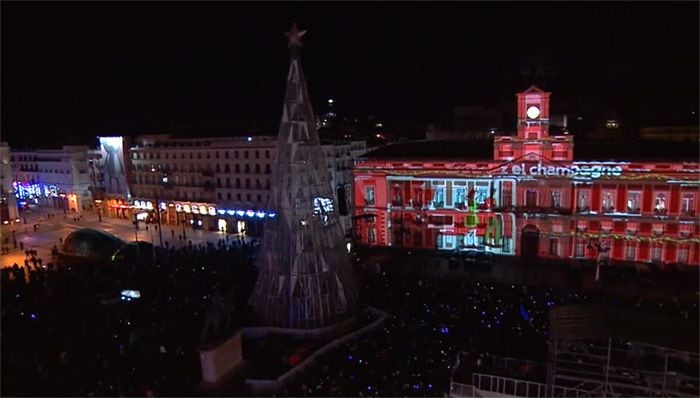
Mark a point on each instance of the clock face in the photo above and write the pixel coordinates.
(533, 112)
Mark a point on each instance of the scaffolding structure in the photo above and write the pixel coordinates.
(305, 273)
(594, 351)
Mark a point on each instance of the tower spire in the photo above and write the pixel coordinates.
(305, 275)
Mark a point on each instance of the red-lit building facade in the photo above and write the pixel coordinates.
(529, 196)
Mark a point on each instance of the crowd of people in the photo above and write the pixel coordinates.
(67, 331)
(431, 321)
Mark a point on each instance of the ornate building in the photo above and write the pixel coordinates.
(305, 278)
(532, 197)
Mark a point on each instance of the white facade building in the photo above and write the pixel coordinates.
(8, 202)
(224, 176)
(53, 178)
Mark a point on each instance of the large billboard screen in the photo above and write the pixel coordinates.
(114, 168)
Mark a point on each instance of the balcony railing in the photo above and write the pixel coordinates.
(660, 212)
(608, 209)
(506, 154)
(634, 210)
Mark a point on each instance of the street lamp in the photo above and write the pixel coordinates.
(136, 228)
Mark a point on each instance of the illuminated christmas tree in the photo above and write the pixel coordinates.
(306, 278)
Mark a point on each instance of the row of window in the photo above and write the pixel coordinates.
(173, 168)
(227, 183)
(207, 154)
(480, 192)
(630, 250)
(36, 168)
(634, 202)
(248, 197)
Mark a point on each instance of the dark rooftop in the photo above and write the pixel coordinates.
(583, 151)
(435, 150)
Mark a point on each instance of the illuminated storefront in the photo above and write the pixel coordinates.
(203, 215)
(530, 197)
(30, 193)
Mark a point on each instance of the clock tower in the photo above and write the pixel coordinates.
(533, 114)
(533, 140)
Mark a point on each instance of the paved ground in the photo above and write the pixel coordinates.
(50, 230)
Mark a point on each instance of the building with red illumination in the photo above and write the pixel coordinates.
(533, 195)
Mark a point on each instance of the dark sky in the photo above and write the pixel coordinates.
(97, 68)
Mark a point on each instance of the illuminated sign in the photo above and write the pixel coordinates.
(591, 171)
(112, 151)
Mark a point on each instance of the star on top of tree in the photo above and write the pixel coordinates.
(295, 36)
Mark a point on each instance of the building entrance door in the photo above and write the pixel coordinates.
(529, 244)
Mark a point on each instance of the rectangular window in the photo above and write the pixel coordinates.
(583, 201)
(507, 195)
(656, 251)
(372, 235)
(580, 249)
(459, 196)
(556, 199)
(531, 198)
(683, 254)
(481, 193)
(634, 202)
(608, 201)
(369, 196)
(439, 197)
(688, 204)
(660, 203)
(630, 251)
(554, 247)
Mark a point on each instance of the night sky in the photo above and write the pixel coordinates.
(86, 69)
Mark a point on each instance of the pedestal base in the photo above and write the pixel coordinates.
(220, 361)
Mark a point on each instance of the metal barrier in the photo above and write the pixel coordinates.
(508, 386)
(461, 390)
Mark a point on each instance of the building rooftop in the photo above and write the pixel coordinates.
(583, 151)
(435, 150)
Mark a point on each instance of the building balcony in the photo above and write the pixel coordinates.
(437, 205)
(608, 209)
(634, 210)
(687, 213)
(583, 209)
(660, 212)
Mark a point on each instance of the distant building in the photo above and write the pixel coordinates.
(216, 183)
(8, 202)
(52, 178)
(671, 133)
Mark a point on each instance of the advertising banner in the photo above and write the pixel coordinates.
(114, 170)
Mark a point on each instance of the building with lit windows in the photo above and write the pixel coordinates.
(216, 183)
(533, 195)
(8, 202)
(51, 178)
